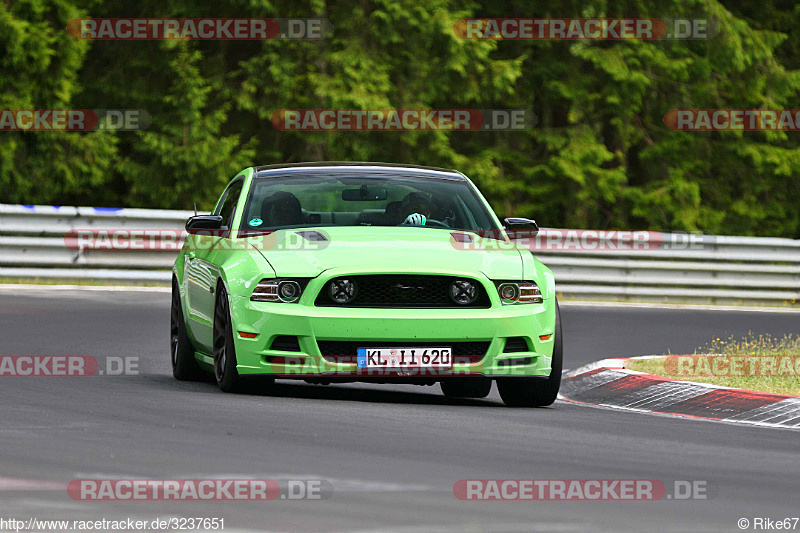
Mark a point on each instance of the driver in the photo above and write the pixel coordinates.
(415, 209)
(282, 209)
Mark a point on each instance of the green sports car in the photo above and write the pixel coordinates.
(374, 272)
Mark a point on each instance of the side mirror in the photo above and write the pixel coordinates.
(199, 223)
(518, 228)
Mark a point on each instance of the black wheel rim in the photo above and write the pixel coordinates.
(173, 328)
(220, 339)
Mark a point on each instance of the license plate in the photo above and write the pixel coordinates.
(405, 358)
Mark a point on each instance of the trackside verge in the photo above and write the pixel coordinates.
(607, 383)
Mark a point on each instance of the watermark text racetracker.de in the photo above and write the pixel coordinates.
(204, 29)
(133, 239)
(733, 119)
(67, 366)
(209, 489)
(74, 120)
(403, 119)
(784, 366)
(566, 240)
(582, 490)
(571, 29)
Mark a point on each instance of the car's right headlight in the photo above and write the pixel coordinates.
(519, 292)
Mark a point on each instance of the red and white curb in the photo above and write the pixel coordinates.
(607, 383)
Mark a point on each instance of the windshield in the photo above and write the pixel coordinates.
(347, 198)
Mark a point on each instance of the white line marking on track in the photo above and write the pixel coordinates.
(685, 307)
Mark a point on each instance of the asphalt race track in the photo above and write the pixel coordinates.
(392, 453)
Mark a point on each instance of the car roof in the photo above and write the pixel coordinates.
(359, 165)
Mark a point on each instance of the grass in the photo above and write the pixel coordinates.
(749, 356)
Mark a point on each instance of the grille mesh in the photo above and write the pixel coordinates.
(403, 291)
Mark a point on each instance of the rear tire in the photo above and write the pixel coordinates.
(474, 387)
(536, 392)
(184, 365)
(225, 372)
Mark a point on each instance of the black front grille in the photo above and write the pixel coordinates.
(286, 343)
(403, 291)
(347, 351)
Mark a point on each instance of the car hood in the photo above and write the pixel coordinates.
(372, 249)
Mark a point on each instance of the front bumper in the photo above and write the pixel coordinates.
(375, 325)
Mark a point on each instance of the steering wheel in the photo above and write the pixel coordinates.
(437, 223)
(429, 222)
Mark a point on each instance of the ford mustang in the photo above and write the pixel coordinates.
(333, 272)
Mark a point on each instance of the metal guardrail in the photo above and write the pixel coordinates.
(715, 269)
(33, 244)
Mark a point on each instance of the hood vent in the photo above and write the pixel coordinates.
(462, 237)
(313, 236)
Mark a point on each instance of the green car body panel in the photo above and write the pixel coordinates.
(239, 263)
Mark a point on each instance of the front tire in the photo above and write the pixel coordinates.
(536, 392)
(224, 351)
(184, 365)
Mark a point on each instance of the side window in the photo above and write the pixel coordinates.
(228, 206)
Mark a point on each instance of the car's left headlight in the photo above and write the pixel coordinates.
(518, 292)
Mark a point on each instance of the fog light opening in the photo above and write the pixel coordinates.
(342, 291)
(463, 292)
